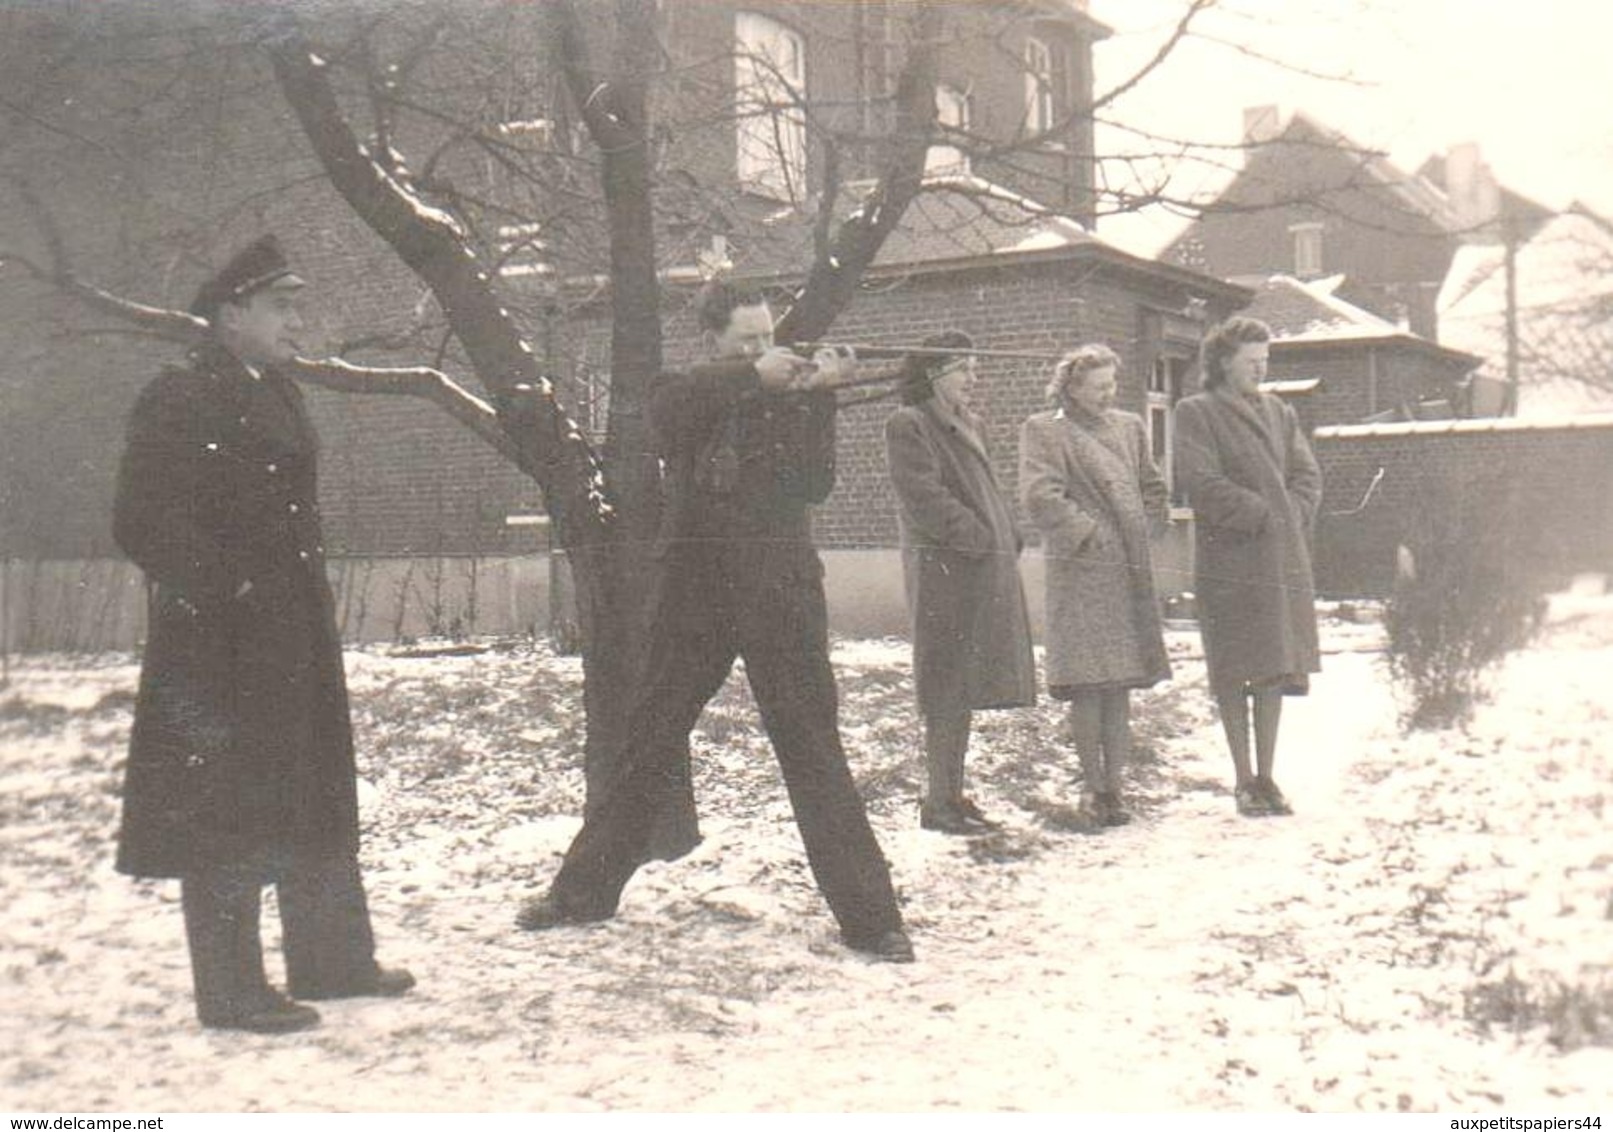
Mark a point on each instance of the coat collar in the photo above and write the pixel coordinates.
(215, 359)
(967, 427)
(1256, 413)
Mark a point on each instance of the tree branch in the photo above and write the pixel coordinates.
(548, 445)
(832, 279)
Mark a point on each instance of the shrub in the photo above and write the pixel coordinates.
(1467, 592)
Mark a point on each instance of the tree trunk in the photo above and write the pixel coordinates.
(617, 619)
(606, 538)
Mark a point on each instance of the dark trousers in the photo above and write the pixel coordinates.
(761, 600)
(324, 920)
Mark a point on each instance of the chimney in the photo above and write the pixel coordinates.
(1474, 196)
(1261, 124)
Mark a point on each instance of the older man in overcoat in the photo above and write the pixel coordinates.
(241, 768)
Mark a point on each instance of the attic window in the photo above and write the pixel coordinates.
(769, 86)
(1038, 86)
(1307, 249)
(539, 130)
(523, 253)
(952, 111)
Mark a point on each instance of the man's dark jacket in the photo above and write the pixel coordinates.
(741, 463)
(242, 750)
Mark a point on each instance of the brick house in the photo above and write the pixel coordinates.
(418, 512)
(1310, 203)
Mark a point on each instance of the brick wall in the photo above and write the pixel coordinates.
(191, 153)
(1043, 309)
(1558, 480)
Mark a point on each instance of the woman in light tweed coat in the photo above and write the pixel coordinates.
(1087, 480)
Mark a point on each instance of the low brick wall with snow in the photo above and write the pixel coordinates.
(1560, 469)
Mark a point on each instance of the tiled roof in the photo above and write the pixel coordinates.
(956, 217)
(1298, 311)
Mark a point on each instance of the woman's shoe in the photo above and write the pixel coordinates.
(1251, 801)
(1094, 811)
(1276, 804)
(1114, 813)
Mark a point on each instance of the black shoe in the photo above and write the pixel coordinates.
(1276, 804)
(274, 1014)
(1113, 813)
(540, 913)
(949, 819)
(384, 982)
(1251, 801)
(886, 947)
(1093, 812)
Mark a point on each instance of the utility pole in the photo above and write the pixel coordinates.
(1509, 238)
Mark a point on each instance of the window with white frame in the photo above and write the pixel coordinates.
(769, 82)
(1166, 380)
(1307, 249)
(951, 112)
(523, 252)
(1039, 107)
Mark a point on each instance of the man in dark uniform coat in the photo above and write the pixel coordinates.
(241, 765)
(748, 442)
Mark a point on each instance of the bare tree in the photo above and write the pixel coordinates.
(429, 219)
(1540, 309)
(498, 157)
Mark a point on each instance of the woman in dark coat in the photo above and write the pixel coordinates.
(960, 548)
(1086, 478)
(1254, 487)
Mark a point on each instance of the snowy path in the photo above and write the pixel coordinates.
(1193, 960)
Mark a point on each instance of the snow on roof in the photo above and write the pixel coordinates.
(1564, 281)
(957, 216)
(1147, 233)
(1039, 240)
(1300, 311)
(1291, 386)
(962, 214)
(1484, 424)
(1414, 189)
(1470, 267)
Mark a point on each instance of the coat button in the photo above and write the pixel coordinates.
(293, 508)
(273, 468)
(303, 554)
(212, 446)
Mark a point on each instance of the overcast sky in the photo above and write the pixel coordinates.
(1531, 82)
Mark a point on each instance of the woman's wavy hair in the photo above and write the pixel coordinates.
(1225, 340)
(1075, 365)
(919, 370)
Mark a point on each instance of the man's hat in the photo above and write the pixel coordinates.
(259, 265)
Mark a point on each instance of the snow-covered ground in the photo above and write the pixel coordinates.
(1431, 931)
